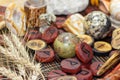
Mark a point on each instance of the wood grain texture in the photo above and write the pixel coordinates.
(32, 14)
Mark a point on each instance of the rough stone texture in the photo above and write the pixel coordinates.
(66, 6)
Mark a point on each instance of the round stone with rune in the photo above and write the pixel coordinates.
(70, 65)
(33, 9)
(95, 66)
(45, 55)
(84, 52)
(84, 74)
(55, 74)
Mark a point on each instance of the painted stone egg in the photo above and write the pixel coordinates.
(98, 24)
(64, 45)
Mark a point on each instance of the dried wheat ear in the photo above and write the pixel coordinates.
(16, 53)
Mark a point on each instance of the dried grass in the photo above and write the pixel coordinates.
(10, 74)
(17, 53)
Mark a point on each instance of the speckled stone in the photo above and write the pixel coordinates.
(98, 24)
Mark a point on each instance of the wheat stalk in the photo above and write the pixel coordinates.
(10, 74)
(15, 59)
(24, 53)
(21, 61)
(19, 55)
(20, 46)
(21, 71)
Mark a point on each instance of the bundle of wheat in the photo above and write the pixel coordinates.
(16, 53)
